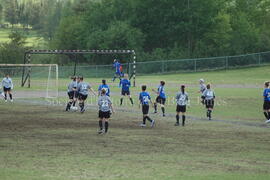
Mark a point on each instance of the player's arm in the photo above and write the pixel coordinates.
(155, 91)
(92, 90)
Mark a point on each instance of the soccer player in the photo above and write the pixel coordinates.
(181, 101)
(202, 88)
(208, 97)
(105, 108)
(118, 70)
(72, 89)
(7, 87)
(266, 104)
(125, 84)
(145, 98)
(104, 86)
(83, 89)
(161, 98)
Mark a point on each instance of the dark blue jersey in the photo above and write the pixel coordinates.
(144, 98)
(161, 91)
(117, 66)
(106, 87)
(125, 84)
(266, 94)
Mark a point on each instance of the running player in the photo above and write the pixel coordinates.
(118, 70)
(161, 98)
(72, 87)
(105, 108)
(104, 86)
(145, 98)
(266, 104)
(181, 101)
(7, 87)
(125, 84)
(202, 88)
(83, 88)
(208, 97)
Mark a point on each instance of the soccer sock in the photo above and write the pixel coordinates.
(10, 96)
(207, 113)
(131, 100)
(183, 120)
(269, 115)
(5, 96)
(155, 107)
(177, 118)
(163, 110)
(68, 106)
(149, 119)
(210, 111)
(74, 103)
(266, 115)
(144, 119)
(81, 105)
(106, 126)
(100, 124)
(121, 101)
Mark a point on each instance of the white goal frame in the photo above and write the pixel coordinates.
(39, 65)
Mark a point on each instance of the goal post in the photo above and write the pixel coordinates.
(42, 78)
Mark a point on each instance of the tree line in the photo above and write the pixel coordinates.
(156, 29)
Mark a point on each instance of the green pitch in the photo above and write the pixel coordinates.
(48, 143)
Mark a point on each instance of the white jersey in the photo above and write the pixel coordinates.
(7, 83)
(182, 99)
(208, 94)
(202, 88)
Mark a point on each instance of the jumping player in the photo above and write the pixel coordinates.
(181, 101)
(125, 84)
(83, 88)
(7, 87)
(104, 86)
(72, 90)
(145, 98)
(266, 104)
(208, 97)
(161, 98)
(105, 108)
(118, 70)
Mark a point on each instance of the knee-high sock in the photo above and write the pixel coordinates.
(177, 118)
(163, 110)
(149, 119)
(100, 124)
(207, 113)
(121, 101)
(131, 100)
(155, 107)
(266, 115)
(74, 103)
(144, 119)
(269, 115)
(183, 120)
(5, 96)
(81, 104)
(68, 106)
(10, 96)
(210, 111)
(106, 126)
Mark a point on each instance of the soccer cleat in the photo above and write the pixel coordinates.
(11, 100)
(2, 94)
(83, 110)
(5, 100)
(268, 121)
(209, 118)
(155, 112)
(102, 131)
(142, 125)
(176, 124)
(153, 123)
(163, 115)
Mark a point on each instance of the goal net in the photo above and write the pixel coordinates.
(32, 80)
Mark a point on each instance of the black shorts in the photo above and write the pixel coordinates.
(209, 103)
(71, 94)
(145, 109)
(7, 89)
(181, 108)
(125, 93)
(106, 114)
(82, 97)
(266, 105)
(160, 100)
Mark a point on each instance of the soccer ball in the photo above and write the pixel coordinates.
(74, 108)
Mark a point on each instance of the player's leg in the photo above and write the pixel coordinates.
(163, 106)
(10, 95)
(183, 117)
(130, 98)
(155, 104)
(70, 101)
(265, 110)
(100, 123)
(5, 94)
(177, 115)
(122, 98)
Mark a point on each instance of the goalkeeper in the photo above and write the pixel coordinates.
(7, 87)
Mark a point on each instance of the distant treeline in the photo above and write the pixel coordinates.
(156, 29)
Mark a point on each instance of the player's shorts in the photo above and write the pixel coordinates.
(266, 105)
(82, 97)
(71, 94)
(209, 103)
(181, 108)
(7, 89)
(125, 92)
(106, 114)
(145, 109)
(160, 100)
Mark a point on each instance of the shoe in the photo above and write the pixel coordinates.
(153, 123)
(3, 94)
(102, 131)
(5, 100)
(268, 121)
(11, 100)
(83, 110)
(163, 115)
(142, 125)
(155, 112)
(176, 124)
(209, 118)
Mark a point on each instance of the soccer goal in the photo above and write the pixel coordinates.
(41, 79)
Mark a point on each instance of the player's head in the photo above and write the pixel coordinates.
(143, 87)
(208, 86)
(162, 83)
(6, 75)
(74, 78)
(103, 81)
(81, 78)
(115, 60)
(103, 91)
(201, 81)
(183, 88)
(126, 76)
(266, 84)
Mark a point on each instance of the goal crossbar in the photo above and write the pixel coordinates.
(28, 65)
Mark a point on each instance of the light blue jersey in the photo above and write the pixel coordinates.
(83, 88)
(7, 83)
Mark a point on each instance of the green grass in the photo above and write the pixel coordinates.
(43, 142)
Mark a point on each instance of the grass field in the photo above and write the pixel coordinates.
(44, 142)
